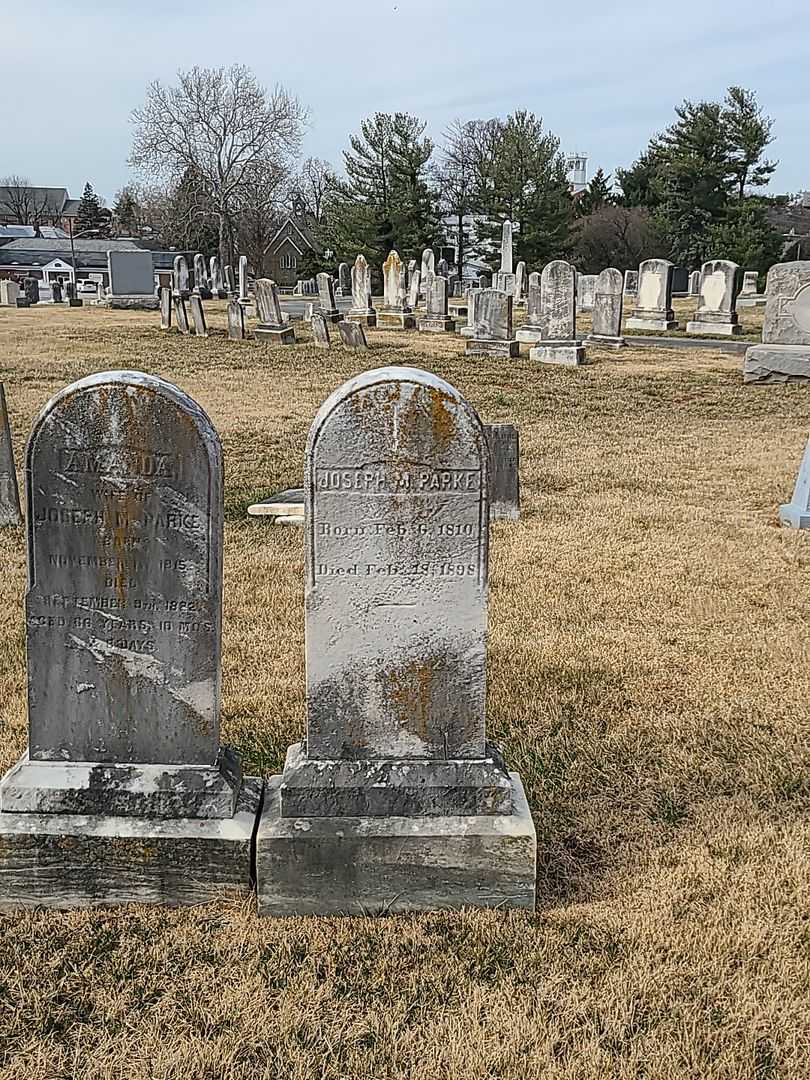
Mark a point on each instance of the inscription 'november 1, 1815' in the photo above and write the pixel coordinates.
(124, 605)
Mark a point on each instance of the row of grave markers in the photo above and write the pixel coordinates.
(395, 801)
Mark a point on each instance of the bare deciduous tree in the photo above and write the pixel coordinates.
(315, 181)
(26, 204)
(221, 125)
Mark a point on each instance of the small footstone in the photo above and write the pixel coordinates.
(353, 335)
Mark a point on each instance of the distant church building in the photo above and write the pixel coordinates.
(291, 243)
(577, 167)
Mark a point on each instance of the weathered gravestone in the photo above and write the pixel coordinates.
(492, 333)
(436, 319)
(230, 284)
(236, 321)
(326, 296)
(320, 330)
(9, 493)
(532, 331)
(217, 284)
(472, 298)
(608, 301)
(272, 326)
(202, 285)
(413, 289)
(395, 312)
(125, 793)
(784, 355)
(362, 310)
(558, 343)
(520, 282)
(427, 271)
(694, 282)
(70, 292)
(243, 279)
(9, 291)
(31, 288)
(165, 308)
(750, 295)
(504, 479)
(131, 276)
(345, 279)
(396, 802)
(654, 298)
(180, 277)
(717, 303)
(353, 335)
(180, 313)
(586, 292)
(198, 315)
(56, 292)
(631, 282)
(796, 513)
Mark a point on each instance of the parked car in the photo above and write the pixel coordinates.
(86, 286)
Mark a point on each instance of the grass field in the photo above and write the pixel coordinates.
(649, 663)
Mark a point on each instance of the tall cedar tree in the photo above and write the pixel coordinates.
(521, 176)
(91, 216)
(598, 194)
(126, 213)
(386, 201)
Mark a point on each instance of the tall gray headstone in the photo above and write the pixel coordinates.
(236, 321)
(165, 308)
(413, 289)
(396, 801)
(198, 315)
(201, 277)
(230, 283)
(654, 298)
(181, 313)
(694, 282)
(272, 326)
(750, 284)
(558, 343)
(9, 291)
(784, 355)
(217, 283)
(320, 330)
(796, 513)
(507, 262)
(631, 282)
(131, 274)
(243, 278)
(362, 310)
(717, 300)
(123, 617)
(395, 312)
(9, 493)
(586, 291)
(436, 319)
(345, 279)
(180, 272)
(608, 302)
(532, 329)
(492, 333)
(326, 296)
(520, 282)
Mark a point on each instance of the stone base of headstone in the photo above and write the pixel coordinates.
(751, 301)
(565, 353)
(794, 517)
(284, 508)
(651, 324)
(460, 310)
(74, 301)
(437, 324)
(275, 335)
(488, 347)
(529, 335)
(73, 860)
(365, 318)
(23, 301)
(205, 294)
(333, 316)
(777, 363)
(365, 865)
(132, 303)
(396, 320)
(704, 329)
(607, 341)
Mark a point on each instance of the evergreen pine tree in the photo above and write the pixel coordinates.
(126, 213)
(597, 194)
(91, 215)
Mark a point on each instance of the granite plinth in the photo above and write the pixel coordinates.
(100, 788)
(275, 335)
(333, 316)
(727, 329)
(74, 301)
(651, 324)
(437, 324)
(564, 353)
(365, 318)
(529, 335)
(396, 320)
(777, 363)
(406, 788)
(72, 861)
(490, 347)
(285, 504)
(132, 303)
(607, 341)
(356, 865)
(752, 301)
(794, 516)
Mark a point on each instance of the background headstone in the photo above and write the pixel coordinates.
(492, 333)
(180, 313)
(198, 315)
(504, 481)
(606, 320)
(132, 273)
(345, 279)
(9, 493)
(180, 280)
(362, 310)
(631, 282)
(243, 278)
(272, 325)
(353, 335)
(165, 308)
(784, 355)
(9, 291)
(654, 298)
(320, 330)
(326, 296)
(586, 291)
(236, 321)
(532, 330)
(717, 300)
(558, 319)
(436, 318)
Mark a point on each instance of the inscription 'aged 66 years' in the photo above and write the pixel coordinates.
(123, 607)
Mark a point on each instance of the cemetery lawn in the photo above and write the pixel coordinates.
(649, 677)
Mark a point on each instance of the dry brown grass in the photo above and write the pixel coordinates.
(649, 677)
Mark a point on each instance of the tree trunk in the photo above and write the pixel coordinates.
(460, 245)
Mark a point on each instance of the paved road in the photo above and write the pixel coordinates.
(296, 306)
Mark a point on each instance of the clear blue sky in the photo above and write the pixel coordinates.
(604, 76)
